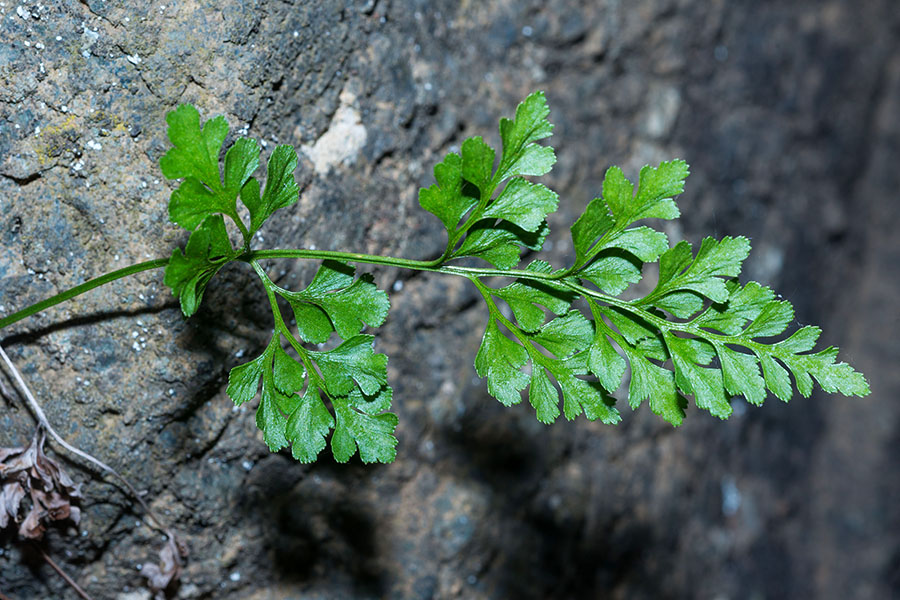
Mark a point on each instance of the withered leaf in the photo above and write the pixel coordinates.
(160, 577)
(11, 496)
(32, 528)
(28, 472)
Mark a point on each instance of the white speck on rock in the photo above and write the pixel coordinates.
(87, 33)
(343, 140)
(133, 59)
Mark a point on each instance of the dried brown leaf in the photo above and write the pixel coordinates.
(160, 577)
(4, 452)
(56, 505)
(32, 527)
(10, 500)
(29, 471)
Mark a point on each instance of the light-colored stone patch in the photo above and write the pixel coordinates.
(662, 110)
(343, 140)
(135, 595)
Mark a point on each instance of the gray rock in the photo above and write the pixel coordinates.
(787, 116)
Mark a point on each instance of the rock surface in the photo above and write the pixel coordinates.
(787, 114)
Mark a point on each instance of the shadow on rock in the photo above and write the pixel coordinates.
(315, 527)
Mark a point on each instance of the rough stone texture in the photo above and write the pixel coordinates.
(787, 113)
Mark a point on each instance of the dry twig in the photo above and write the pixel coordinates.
(63, 574)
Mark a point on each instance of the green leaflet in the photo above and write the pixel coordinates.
(521, 156)
(195, 151)
(594, 223)
(526, 298)
(478, 224)
(744, 304)
(741, 375)
(276, 400)
(291, 410)
(447, 199)
(189, 271)
(308, 427)
(563, 337)
(650, 381)
(566, 335)
(612, 272)
(356, 429)
(195, 158)
(352, 364)
(604, 224)
(523, 204)
(500, 360)
(206, 195)
(281, 190)
(478, 164)
(500, 244)
(205, 190)
(693, 377)
(679, 271)
(335, 301)
(653, 200)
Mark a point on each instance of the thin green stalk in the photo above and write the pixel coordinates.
(267, 285)
(373, 259)
(305, 254)
(252, 257)
(282, 328)
(80, 289)
(474, 216)
(485, 291)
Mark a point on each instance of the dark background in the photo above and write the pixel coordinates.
(789, 114)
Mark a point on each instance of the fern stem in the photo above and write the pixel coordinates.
(307, 254)
(372, 259)
(281, 327)
(80, 289)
